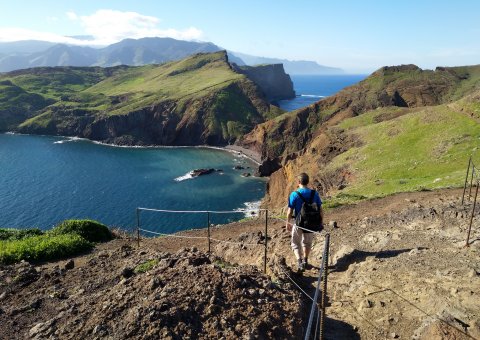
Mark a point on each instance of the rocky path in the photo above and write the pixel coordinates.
(398, 270)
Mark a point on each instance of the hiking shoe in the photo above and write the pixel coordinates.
(301, 266)
(305, 264)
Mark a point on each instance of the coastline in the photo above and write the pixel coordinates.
(252, 155)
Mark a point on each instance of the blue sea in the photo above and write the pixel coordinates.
(310, 89)
(45, 180)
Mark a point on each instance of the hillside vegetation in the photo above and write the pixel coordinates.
(401, 129)
(197, 100)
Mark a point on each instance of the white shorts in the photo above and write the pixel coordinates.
(301, 238)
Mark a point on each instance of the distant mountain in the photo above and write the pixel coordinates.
(298, 67)
(27, 54)
(32, 53)
(24, 47)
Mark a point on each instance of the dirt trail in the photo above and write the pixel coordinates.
(398, 270)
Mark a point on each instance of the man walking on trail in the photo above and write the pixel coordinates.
(306, 204)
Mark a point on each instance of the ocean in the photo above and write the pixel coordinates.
(45, 180)
(310, 89)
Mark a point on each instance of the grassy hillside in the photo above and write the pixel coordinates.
(200, 93)
(402, 129)
(399, 86)
(422, 149)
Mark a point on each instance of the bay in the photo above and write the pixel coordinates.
(44, 180)
(312, 88)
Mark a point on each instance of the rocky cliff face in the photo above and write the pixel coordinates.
(198, 121)
(272, 79)
(307, 139)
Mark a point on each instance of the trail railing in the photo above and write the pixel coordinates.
(208, 214)
(319, 309)
(472, 170)
(317, 314)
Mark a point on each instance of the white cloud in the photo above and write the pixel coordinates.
(106, 27)
(109, 26)
(72, 15)
(15, 34)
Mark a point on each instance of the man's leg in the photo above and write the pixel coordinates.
(296, 243)
(307, 241)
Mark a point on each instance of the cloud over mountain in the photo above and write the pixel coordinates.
(105, 26)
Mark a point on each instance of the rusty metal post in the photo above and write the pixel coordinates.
(466, 178)
(471, 217)
(266, 243)
(471, 182)
(208, 230)
(324, 289)
(138, 228)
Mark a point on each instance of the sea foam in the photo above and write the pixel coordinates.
(188, 175)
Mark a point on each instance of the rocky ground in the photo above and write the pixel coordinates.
(399, 269)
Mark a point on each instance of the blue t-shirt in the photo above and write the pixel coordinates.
(295, 201)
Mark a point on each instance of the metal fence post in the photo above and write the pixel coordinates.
(466, 178)
(315, 298)
(266, 243)
(473, 213)
(138, 228)
(208, 229)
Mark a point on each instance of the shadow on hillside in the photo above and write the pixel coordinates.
(358, 256)
(333, 329)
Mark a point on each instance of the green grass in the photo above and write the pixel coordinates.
(146, 266)
(7, 234)
(94, 92)
(42, 248)
(191, 77)
(423, 149)
(224, 264)
(69, 238)
(90, 230)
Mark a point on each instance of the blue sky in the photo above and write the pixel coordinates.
(358, 36)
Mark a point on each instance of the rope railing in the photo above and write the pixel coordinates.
(208, 237)
(322, 277)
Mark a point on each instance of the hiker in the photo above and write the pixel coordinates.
(306, 206)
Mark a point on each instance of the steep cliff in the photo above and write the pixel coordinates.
(272, 79)
(399, 86)
(356, 144)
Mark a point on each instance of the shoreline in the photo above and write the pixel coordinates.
(251, 155)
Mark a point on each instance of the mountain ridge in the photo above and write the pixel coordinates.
(195, 101)
(135, 52)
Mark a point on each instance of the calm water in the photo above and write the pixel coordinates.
(44, 180)
(310, 89)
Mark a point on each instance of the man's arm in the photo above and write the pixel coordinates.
(289, 216)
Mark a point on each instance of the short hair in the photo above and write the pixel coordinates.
(303, 178)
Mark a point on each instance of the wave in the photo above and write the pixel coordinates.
(312, 96)
(251, 208)
(188, 175)
(69, 139)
